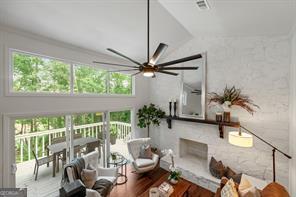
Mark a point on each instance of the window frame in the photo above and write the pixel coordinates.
(71, 93)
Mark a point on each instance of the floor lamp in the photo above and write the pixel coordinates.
(243, 139)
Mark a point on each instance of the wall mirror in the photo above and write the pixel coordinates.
(193, 90)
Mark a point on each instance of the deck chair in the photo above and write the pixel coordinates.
(39, 161)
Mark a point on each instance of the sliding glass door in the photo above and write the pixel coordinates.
(120, 132)
(36, 141)
(43, 145)
(90, 127)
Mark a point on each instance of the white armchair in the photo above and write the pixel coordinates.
(141, 165)
(92, 158)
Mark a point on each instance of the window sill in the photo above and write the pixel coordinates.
(77, 95)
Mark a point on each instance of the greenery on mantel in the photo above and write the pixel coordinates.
(148, 115)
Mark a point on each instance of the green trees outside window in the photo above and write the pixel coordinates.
(121, 116)
(120, 83)
(90, 80)
(36, 74)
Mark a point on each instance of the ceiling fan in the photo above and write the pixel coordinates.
(150, 67)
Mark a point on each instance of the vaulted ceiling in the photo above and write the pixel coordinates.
(235, 17)
(96, 24)
(121, 24)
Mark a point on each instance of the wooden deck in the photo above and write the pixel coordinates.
(46, 185)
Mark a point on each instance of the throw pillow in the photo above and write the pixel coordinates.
(251, 192)
(230, 174)
(244, 184)
(145, 152)
(90, 167)
(88, 177)
(229, 189)
(246, 189)
(217, 169)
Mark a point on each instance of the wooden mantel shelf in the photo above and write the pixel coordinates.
(221, 125)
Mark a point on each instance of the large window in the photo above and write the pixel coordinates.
(38, 74)
(90, 80)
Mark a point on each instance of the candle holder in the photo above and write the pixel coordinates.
(170, 108)
(226, 116)
(219, 117)
(175, 108)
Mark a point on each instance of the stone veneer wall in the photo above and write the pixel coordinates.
(260, 67)
(293, 116)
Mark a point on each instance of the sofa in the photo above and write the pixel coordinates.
(269, 190)
(104, 176)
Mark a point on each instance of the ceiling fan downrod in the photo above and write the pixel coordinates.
(150, 67)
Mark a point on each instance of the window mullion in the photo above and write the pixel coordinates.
(71, 78)
(108, 82)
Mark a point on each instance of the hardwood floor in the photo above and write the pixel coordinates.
(137, 185)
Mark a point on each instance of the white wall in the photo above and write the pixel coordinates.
(293, 116)
(260, 67)
(10, 38)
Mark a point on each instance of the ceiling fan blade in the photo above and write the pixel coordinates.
(169, 73)
(117, 53)
(157, 54)
(111, 71)
(178, 61)
(136, 73)
(178, 68)
(113, 64)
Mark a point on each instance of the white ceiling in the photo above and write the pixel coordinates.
(121, 24)
(97, 24)
(234, 17)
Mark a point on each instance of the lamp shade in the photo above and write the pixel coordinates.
(240, 139)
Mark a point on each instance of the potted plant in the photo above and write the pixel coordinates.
(113, 156)
(113, 134)
(175, 174)
(230, 97)
(148, 115)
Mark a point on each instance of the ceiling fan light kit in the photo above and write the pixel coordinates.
(149, 68)
(148, 74)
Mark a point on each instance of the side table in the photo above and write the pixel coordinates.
(118, 160)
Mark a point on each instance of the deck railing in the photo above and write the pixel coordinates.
(40, 140)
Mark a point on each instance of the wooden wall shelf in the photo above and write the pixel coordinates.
(221, 125)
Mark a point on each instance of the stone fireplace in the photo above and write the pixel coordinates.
(192, 160)
(194, 151)
(193, 148)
